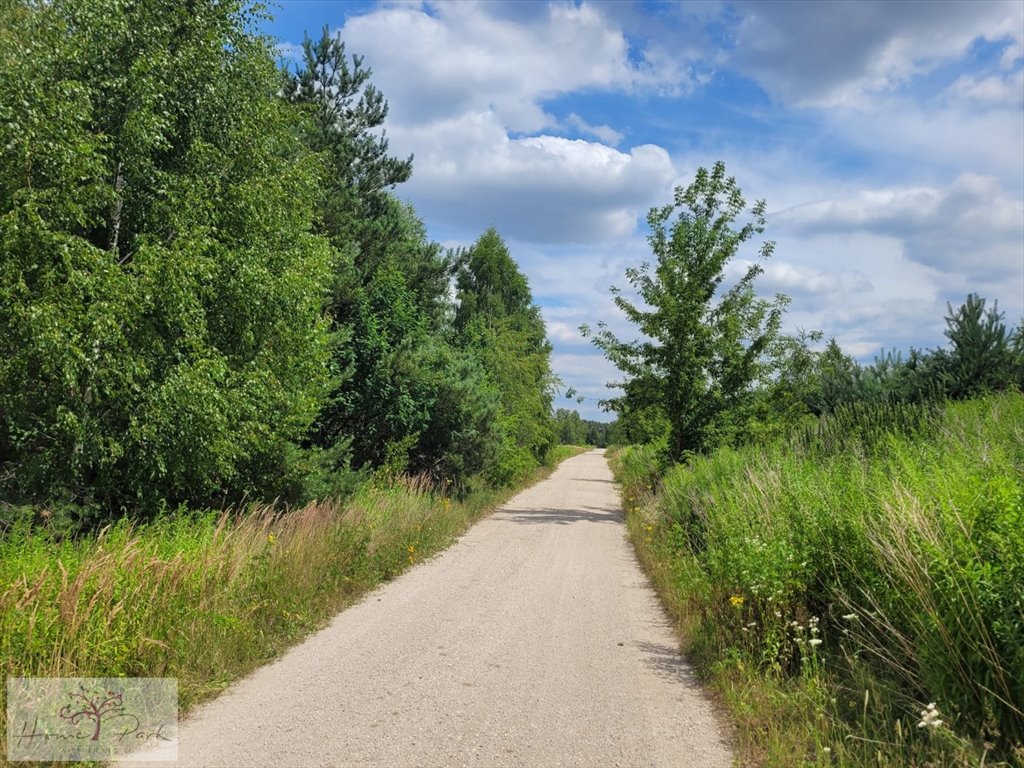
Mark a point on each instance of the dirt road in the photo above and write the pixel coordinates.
(534, 641)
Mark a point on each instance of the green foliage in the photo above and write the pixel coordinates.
(160, 289)
(706, 346)
(407, 401)
(981, 356)
(884, 552)
(345, 110)
(499, 326)
(570, 429)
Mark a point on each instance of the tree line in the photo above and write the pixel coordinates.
(712, 367)
(209, 290)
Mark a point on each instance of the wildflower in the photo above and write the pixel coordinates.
(412, 549)
(736, 601)
(930, 717)
(270, 538)
(814, 641)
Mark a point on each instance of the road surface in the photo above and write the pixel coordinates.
(534, 641)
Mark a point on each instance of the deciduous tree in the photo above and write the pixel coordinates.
(705, 345)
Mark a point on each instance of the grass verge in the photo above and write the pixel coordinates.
(206, 598)
(853, 602)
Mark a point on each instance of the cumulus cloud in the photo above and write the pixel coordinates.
(892, 200)
(969, 226)
(467, 83)
(441, 59)
(469, 173)
(829, 54)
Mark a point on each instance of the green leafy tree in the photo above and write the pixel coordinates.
(1017, 342)
(389, 302)
(161, 334)
(497, 323)
(706, 347)
(569, 427)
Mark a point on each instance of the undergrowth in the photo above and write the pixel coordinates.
(854, 593)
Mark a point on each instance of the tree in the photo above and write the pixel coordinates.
(498, 324)
(161, 335)
(569, 427)
(981, 356)
(345, 111)
(706, 346)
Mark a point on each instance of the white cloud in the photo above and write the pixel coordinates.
(453, 58)
(465, 80)
(470, 173)
(829, 54)
(922, 139)
(891, 202)
(970, 226)
(995, 90)
(605, 133)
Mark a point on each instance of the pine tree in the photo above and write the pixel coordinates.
(981, 358)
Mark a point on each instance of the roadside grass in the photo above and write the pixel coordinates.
(208, 597)
(831, 587)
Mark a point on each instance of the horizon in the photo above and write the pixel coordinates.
(890, 149)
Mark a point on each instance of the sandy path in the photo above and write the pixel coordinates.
(534, 641)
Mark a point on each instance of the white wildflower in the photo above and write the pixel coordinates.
(930, 717)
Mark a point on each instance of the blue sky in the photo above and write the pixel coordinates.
(887, 139)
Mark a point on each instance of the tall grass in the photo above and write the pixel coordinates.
(844, 580)
(207, 597)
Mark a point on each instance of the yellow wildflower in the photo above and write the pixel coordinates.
(736, 600)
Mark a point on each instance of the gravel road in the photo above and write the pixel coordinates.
(534, 641)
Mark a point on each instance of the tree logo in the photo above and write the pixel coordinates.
(94, 704)
(71, 719)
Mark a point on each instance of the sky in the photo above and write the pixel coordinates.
(887, 139)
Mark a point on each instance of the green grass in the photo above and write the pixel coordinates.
(206, 598)
(832, 586)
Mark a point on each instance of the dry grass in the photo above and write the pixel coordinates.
(208, 597)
